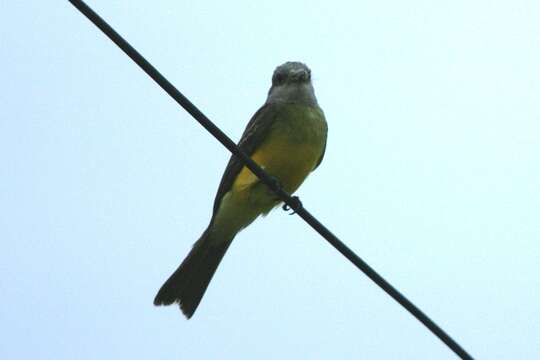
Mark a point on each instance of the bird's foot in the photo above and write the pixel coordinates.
(296, 204)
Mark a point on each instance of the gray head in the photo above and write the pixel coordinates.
(291, 83)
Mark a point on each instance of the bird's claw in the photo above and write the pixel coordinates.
(296, 204)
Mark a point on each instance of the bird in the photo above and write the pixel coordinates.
(287, 138)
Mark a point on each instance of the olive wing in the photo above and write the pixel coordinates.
(256, 131)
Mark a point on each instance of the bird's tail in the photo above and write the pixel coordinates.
(186, 286)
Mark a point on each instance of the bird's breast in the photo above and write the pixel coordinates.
(292, 148)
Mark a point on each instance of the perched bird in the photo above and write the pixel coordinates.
(287, 138)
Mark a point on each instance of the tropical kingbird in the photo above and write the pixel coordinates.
(287, 138)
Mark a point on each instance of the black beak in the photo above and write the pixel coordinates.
(300, 75)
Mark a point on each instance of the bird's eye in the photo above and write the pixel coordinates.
(279, 78)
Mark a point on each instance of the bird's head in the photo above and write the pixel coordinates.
(291, 73)
(291, 83)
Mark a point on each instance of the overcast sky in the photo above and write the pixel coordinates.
(431, 175)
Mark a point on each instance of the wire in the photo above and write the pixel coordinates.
(292, 202)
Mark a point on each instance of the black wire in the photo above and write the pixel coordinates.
(267, 179)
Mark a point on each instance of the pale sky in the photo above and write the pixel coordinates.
(431, 175)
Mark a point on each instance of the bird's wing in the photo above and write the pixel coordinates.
(322, 156)
(254, 134)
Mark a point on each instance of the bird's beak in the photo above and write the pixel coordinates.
(300, 75)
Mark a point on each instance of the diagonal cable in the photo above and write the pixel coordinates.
(267, 179)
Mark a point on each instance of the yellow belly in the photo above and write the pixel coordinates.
(289, 163)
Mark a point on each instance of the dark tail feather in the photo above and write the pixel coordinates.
(188, 283)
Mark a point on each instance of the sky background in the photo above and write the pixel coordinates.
(431, 175)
